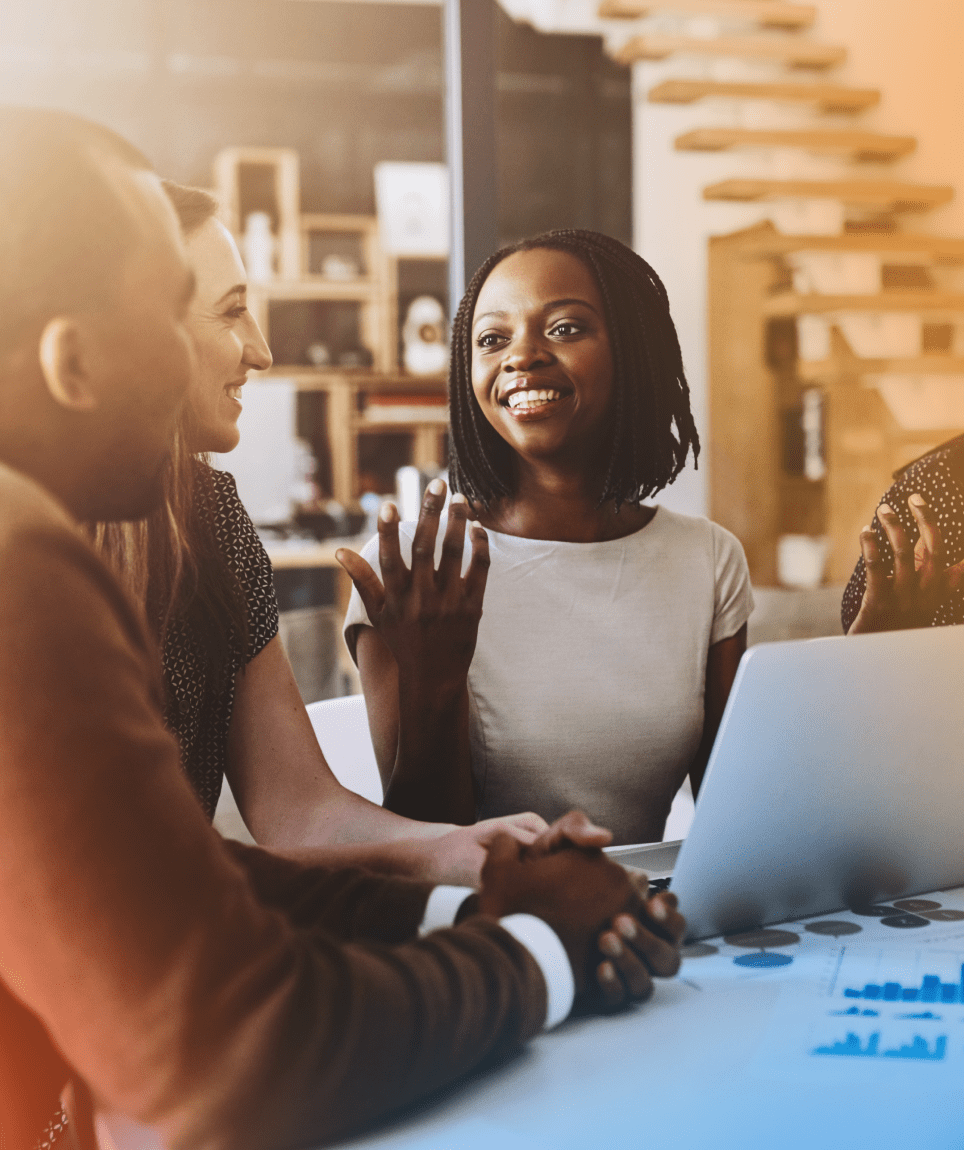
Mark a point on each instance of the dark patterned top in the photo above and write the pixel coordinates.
(939, 477)
(198, 712)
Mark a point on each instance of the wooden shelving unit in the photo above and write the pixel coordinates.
(365, 281)
(792, 53)
(765, 13)
(827, 97)
(346, 393)
(856, 144)
(757, 380)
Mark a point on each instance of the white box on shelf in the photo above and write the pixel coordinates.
(413, 208)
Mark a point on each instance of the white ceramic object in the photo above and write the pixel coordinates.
(801, 560)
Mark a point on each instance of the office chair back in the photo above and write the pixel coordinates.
(341, 728)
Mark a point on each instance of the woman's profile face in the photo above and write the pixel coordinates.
(227, 341)
(542, 365)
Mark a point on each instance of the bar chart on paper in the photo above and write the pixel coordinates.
(889, 1015)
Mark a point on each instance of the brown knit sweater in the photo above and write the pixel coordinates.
(227, 997)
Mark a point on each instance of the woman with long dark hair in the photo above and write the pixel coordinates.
(612, 630)
(203, 576)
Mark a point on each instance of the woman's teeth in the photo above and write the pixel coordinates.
(234, 392)
(532, 398)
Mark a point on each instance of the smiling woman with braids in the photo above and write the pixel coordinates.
(613, 628)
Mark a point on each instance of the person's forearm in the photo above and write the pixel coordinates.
(432, 776)
(336, 818)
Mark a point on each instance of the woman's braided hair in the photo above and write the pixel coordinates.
(651, 425)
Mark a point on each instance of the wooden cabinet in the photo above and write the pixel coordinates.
(759, 380)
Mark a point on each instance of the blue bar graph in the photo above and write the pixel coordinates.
(930, 990)
(918, 1049)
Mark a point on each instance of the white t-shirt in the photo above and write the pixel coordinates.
(586, 688)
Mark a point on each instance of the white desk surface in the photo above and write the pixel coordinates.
(728, 1055)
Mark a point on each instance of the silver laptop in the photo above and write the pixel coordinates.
(836, 780)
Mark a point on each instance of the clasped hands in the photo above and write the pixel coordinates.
(921, 578)
(616, 938)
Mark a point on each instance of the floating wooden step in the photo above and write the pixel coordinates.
(795, 53)
(860, 145)
(764, 240)
(892, 195)
(854, 365)
(793, 303)
(828, 97)
(766, 13)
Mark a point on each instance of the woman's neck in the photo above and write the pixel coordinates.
(562, 507)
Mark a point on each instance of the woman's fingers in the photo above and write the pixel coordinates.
(955, 576)
(453, 548)
(394, 571)
(932, 559)
(426, 532)
(368, 584)
(572, 829)
(904, 568)
(478, 572)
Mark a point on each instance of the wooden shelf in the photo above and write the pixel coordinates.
(792, 303)
(860, 145)
(360, 379)
(763, 241)
(360, 290)
(766, 13)
(828, 97)
(795, 53)
(890, 194)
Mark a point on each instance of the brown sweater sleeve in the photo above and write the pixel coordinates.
(173, 989)
(352, 904)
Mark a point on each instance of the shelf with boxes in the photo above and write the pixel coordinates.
(326, 296)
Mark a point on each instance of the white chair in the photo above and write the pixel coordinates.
(341, 728)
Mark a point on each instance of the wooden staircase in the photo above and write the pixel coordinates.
(779, 174)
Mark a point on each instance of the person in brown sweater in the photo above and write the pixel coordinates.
(224, 996)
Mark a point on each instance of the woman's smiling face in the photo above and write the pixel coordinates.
(227, 341)
(542, 365)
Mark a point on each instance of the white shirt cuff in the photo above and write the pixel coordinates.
(542, 942)
(442, 907)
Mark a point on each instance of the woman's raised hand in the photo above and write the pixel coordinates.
(427, 616)
(921, 577)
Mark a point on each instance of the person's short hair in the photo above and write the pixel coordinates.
(64, 229)
(194, 206)
(651, 426)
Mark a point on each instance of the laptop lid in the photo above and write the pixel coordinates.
(836, 779)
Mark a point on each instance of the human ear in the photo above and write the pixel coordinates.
(63, 365)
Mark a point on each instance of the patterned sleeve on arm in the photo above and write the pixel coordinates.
(245, 553)
(935, 477)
